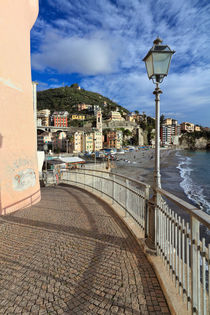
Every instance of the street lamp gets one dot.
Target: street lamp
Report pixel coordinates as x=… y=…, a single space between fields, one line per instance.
x=95 y=149
x=157 y=63
x=45 y=151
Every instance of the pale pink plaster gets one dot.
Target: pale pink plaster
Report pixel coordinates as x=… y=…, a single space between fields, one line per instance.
x=19 y=178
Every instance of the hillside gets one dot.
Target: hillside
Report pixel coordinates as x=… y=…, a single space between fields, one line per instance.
x=66 y=98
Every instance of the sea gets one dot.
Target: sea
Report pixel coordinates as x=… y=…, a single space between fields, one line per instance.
x=188 y=176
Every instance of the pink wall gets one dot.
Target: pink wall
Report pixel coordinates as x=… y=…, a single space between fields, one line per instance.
x=19 y=179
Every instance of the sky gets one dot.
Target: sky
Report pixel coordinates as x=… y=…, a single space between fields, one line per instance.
x=100 y=44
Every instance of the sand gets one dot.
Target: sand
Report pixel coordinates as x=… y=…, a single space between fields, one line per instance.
x=140 y=164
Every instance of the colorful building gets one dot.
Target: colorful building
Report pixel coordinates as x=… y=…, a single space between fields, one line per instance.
x=78 y=117
x=116 y=116
x=187 y=127
x=197 y=128
x=169 y=134
x=77 y=142
x=19 y=176
x=43 y=117
x=113 y=139
x=83 y=106
x=60 y=119
x=44 y=138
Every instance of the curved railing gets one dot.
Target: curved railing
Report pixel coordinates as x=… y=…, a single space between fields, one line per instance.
x=131 y=195
x=180 y=232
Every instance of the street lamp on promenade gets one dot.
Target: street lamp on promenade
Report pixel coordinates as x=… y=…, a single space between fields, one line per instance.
x=45 y=147
x=95 y=150
x=157 y=63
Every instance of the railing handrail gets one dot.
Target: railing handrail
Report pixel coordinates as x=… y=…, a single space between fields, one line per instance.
x=192 y=210
x=116 y=174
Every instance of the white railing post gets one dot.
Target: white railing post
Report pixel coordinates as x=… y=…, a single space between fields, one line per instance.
x=113 y=190
x=127 y=196
x=195 y=264
x=101 y=184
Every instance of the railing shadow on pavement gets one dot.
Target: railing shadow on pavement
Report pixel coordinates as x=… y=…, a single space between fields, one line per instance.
x=183 y=246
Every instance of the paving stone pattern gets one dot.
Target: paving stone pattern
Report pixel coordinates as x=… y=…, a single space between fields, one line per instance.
x=70 y=254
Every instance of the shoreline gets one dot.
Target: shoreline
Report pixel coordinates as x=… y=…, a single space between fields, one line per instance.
x=143 y=170
x=140 y=164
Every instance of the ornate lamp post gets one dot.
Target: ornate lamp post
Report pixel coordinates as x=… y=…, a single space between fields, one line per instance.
x=45 y=147
x=157 y=63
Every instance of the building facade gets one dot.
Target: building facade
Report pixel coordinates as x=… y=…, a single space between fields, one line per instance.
x=78 y=117
x=43 y=117
x=59 y=141
x=60 y=119
x=44 y=138
x=187 y=127
x=113 y=139
x=170 y=133
x=19 y=176
x=83 y=106
x=116 y=116
x=197 y=128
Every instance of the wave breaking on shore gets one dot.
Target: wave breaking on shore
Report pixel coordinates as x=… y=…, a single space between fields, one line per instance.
x=193 y=191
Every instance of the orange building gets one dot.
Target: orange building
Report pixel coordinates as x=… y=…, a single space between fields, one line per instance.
x=60 y=119
x=19 y=176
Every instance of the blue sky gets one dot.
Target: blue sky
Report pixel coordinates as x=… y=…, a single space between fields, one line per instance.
x=100 y=45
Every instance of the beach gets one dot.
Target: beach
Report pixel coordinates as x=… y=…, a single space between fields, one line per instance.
x=140 y=164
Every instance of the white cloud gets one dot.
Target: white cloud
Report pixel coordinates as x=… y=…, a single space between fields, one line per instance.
x=108 y=41
x=75 y=55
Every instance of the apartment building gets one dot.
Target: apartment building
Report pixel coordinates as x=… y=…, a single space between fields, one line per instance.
x=168 y=121
x=116 y=116
x=59 y=141
x=170 y=133
x=43 y=117
x=88 y=142
x=77 y=142
x=60 y=119
x=197 y=128
x=44 y=138
x=83 y=106
x=98 y=140
x=187 y=127
x=78 y=117
x=113 y=139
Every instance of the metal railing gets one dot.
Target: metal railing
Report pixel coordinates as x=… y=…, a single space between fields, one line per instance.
x=181 y=240
x=131 y=195
x=183 y=244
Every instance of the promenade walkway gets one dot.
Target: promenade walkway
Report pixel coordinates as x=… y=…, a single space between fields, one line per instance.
x=70 y=254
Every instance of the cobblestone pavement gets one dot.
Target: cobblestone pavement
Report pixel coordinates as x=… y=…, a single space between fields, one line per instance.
x=70 y=254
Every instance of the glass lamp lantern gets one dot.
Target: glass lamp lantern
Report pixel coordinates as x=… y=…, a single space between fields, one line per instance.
x=158 y=60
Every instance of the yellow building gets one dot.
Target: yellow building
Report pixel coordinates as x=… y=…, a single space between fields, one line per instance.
x=78 y=117
x=43 y=117
x=168 y=121
x=197 y=128
x=77 y=142
x=88 y=142
x=187 y=127
x=98 y=140
x=92 y=141
x=116 y=116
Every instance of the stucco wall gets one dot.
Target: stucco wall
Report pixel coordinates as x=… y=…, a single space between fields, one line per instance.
x=19 y=178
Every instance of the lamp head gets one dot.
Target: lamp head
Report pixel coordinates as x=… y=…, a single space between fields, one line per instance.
x=158 y=60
